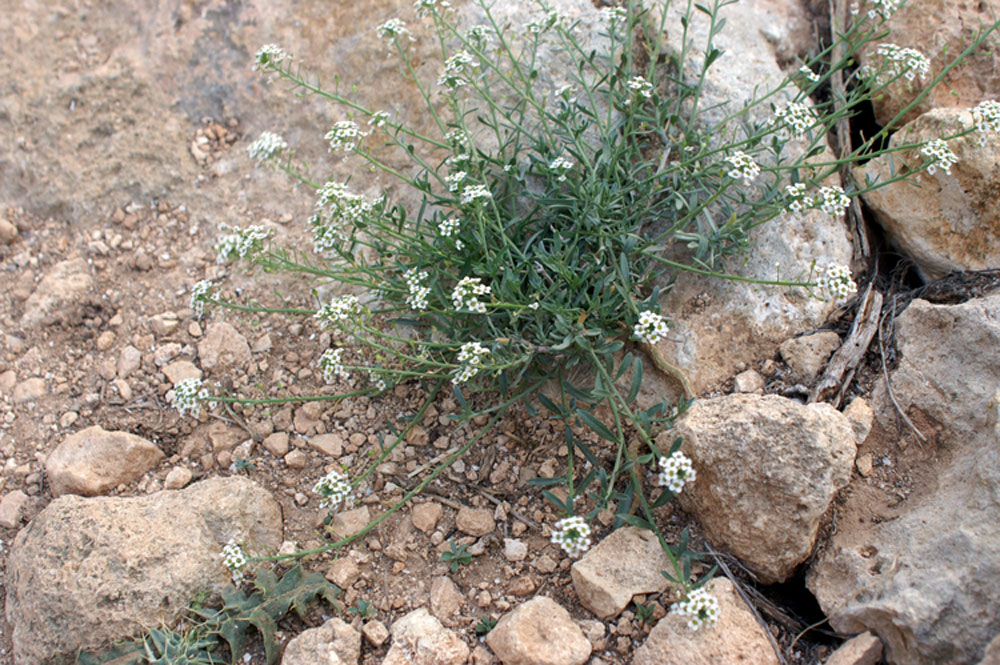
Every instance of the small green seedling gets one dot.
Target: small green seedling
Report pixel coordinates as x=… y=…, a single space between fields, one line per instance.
x=456 y=556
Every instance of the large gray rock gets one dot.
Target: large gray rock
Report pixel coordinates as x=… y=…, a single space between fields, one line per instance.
x=61 y=289
x=768 y=468
x=333 y=643
x=87 y=571
x=736 y=638
x=539 y=632
x=93 y=461
x=622 y=565
x=943 y=222
x=925 y=581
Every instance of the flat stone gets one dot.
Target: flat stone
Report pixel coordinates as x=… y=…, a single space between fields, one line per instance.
x=129 y=360
x=375 y=632
x=92 y=570
x=94 y=461
x=297 y=459
x=626 y=563
x=12 y=509
x=343 y=572
x=349 y=522
x=276 y=444
x=163 y=324
x=420 y=639
x=863 y=649
x=8 y=232
x=475 y=522
x=61 y=290
x=749 y=381
x=179 y=370
x=331 y=445
x=736 y=638
x=515 y=549
x=30 y=390
x=446 y=599
x=333 y=643
x=806 y=356
x=223 y=346
x=425 y=515
x=539 y=632
x=178 y=478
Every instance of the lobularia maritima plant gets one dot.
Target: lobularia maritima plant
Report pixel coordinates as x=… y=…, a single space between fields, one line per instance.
x=550 y=222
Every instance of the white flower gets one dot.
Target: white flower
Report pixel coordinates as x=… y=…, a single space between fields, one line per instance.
x=188 y=396
x=332 y=364
x=561 y=165
x=832 y=200
x=241 y=243
x=428 y=7
x=450 y=226
x=743 y=167
x=650 y=328
x=940 y=156
x=235 y=559
x=473 y=192
x=793 y=119
x=392 y=30
x=268 y=55
x=334 y=488
x=342 y=309
x=836 y=282
x=267 y=146
x=339 y=210
x=454 y=69
x=898 y=61
x=675 y=472
x=701 y=608
x=612 y=15
x=479 y=36
x=466 y=294
x=797 y=199
x=377 y=381
x=453 y=180
x=378 y=119
x=344 y=135
x=806 y=71
x=986 y=115
x=883 y=8
x=471 y=356
x=572 y=534
x=417 y=299
x=458 y=138
x=640 y=86
x=200 y=293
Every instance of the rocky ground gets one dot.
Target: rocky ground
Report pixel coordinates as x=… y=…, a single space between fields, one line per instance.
x=123 y=131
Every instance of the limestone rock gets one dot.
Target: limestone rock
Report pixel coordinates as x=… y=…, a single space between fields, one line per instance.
x=333 y=643
x=420 y=639
x=93 y=461
x=178 y=478
x=8 y=232
x=276 y=444
x=446 y=599
x=129 y=360
x=91 y=570
x=768 y=468
x=475 y=522
x=223 y=346
x=12 y=509
x=349 y=522
x=331 y=445
x=625 y=563
x=343 y=572
x=425 y=515
x=939 y=29
x=807 y=355
x=923 y=581
x=61 y=290
x=864 y=649
x=992 y=655
x=943 y=222
x=539 y=632
x=375 y=632
x=30 y=390
x=736 y=639
x=181 y=369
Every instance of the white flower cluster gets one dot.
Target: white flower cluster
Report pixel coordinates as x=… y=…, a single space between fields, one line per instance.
x=332 y=364
x=650 y=328
x=986 y=115
x=837 y=282
x=466 y=294
x=235 y=559
x=428 y=7
x=417 y=299
x=640 y=86
x=471 y=356
x=450 y=226
x=268 y=55
x=898 y=61
x=675 y=472
x=188 y=395
x=378 y=119
x=479 y=36
x=454 y=69
x=806 y=71
x=572 y=534
x=561 y=165
x=797 y=199
x=392 y=30
x=241 y=243
x=793 y=119
x=377 y=381
x=339 y=209
x=200 y=292
x=334 y=489
x=475 y=192
x=454 y=180
x=459 y=139
x=743 y=167
x=701 y=608
x=344 y=135
x=832 y=200
x=883 y=8
x=339 y=310
x=612 y=15
x=941 y=156
x=267 y=146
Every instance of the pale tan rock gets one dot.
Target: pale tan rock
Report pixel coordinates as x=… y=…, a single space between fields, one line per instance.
x=864 y=464
x=420 y=639
x=180 y=370
x=807 y=355
x=992 y=655
x=943 y=222
x=151 y=554
x=93 y=461
x=736 y=639
x=223 y=346
x=863 y=649
x=12 y=509
x=331 y=445
x=276 y=444
x=61 y=290
x=178 y=478
x=8 y=379
x=375 y=632
x=425 y=515
x=539 y=632
x=862 y=416
x=625 y=563
x=343 y=572
x=349 y=522
x=30 y=390
x=297 y=459
x=749 y=381
x=163 y=324
x=129 y=360
x=333 y=643
x=805 y=453
x=105 y=340
x=446 y=599
x=8 y=232
x=475 y=522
